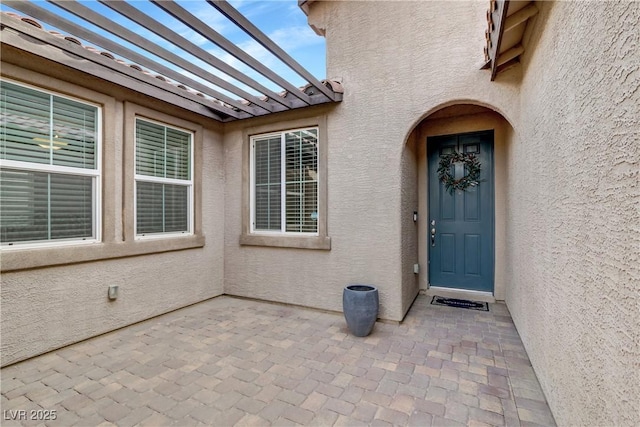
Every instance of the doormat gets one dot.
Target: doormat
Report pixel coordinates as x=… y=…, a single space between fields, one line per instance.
x=461 y=303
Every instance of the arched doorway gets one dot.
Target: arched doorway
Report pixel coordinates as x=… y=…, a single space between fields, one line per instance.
x=461 y=234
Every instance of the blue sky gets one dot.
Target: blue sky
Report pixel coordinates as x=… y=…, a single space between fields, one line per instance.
x=282 y=20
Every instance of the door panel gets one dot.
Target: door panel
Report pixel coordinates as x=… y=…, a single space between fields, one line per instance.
x=472 y=204
x=472 y=248
x=447 y=261
x=461 y=255
x=447 y=208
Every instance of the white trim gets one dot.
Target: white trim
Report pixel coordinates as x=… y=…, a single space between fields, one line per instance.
x=35 y=244
x=283 y=193
x=151 y=236
x=95 y=173
x=43 y=167
x=252 y=186
x=159 y=180
x=97 y=193
x=283 y=183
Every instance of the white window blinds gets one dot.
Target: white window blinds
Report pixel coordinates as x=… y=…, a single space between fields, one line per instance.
x=285 y=177
x=49 y=180
x=268 y=187
x=164 y=184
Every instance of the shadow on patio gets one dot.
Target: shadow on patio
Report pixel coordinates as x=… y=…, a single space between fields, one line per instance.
x=232 y=361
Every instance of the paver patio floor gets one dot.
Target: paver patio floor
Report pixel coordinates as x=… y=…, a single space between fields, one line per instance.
x=230 y=361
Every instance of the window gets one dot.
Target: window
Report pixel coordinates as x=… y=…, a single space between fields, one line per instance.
x=66 y=197
x=49 y=167
x=164 y=180
x=285 y=182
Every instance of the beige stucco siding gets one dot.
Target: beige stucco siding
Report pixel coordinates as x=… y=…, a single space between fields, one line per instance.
x=574 y=208
x=409 y=253
x=400 y=61
x=568 y=164
x=392 y=84
x=315 y=277
x=49 y=308
x=46 y=307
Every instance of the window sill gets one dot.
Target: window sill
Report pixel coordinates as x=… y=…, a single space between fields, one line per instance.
x=28 y=258
x=298 y=242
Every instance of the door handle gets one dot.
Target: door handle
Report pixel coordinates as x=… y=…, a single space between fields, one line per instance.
x=433 y=232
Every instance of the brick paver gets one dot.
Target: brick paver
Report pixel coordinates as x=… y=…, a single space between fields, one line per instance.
x=230 y=361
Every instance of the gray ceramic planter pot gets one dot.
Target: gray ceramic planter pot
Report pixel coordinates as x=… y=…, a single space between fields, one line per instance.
x=360 y=307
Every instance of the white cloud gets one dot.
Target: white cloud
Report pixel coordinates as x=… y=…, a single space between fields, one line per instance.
x=292 y=38
x=193 y=36
x=210 y=16
x=251 y=9
x=237 y=4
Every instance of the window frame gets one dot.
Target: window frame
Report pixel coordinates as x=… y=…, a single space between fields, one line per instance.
x=158 y=180
x=283 y=183
x=117 y=151
x=95 y=174
x=319 y=240
x=160 y=242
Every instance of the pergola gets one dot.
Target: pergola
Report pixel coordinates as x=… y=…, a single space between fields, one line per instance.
x=507 y=27
x=217 y=90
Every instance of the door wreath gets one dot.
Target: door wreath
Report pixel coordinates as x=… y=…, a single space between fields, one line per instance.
x=472 y=168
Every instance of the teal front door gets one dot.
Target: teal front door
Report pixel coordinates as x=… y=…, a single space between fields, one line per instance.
x=460 y=233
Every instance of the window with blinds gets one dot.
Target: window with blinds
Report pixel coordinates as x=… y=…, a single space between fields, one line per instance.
x=164 y=180
x=49 y=167
x=285 y=182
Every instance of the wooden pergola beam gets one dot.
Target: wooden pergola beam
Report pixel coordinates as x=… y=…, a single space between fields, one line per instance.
x=154 y=26
x=498 y=17
x=236 y=17
x=216 y=38
x=29 y=8
x=520 y=16
x=184 y=82
x=24 y=37
x=36 y=12
x=100 y=21
x=507 y=56
x=498 y=24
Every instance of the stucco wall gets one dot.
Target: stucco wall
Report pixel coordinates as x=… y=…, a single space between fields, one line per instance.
x=409 y=238
x=574 y=207
x=313 y=277
x=571 y=198
x=392 y=84
x=49 y=307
